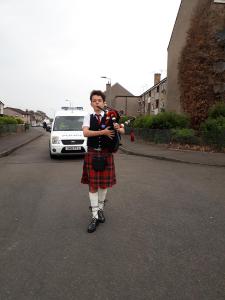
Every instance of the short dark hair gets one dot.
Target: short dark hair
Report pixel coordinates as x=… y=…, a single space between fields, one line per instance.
x=97 y=93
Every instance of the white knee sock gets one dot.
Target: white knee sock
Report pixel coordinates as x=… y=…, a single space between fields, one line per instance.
x=101 y=197
x=94 y=204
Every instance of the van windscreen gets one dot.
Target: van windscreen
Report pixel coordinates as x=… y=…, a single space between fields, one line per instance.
x=68 y=123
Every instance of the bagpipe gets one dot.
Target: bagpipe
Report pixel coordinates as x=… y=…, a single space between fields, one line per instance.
x=112 y=117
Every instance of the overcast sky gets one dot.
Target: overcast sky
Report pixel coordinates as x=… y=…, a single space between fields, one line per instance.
x=53 y=50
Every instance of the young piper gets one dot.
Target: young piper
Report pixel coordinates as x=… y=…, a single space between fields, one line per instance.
x=98 y=168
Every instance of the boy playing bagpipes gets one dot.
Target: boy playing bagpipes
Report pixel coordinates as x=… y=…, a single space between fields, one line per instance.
x=102 y=130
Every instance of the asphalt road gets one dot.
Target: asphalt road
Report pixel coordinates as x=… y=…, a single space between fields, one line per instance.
x=164 y=236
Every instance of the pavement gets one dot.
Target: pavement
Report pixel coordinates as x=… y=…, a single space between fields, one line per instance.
x=10 y=143
x=162 y=152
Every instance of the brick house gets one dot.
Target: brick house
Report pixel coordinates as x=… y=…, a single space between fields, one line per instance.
x=18 y=113
x=153 y=101
x=121 y=99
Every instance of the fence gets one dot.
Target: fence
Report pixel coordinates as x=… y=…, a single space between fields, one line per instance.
x=6 y=129
x=158 y=136
x=167 y=136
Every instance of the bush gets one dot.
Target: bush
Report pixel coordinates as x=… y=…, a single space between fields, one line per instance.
x=184 y=136
x=164 y=120
x=148 y=121
x=123 y=119
x=218 y=110
x=139 y=122
x=127 y=121
x=168 y=120
x=8 y=120
x=213 y=131
x=19 y=121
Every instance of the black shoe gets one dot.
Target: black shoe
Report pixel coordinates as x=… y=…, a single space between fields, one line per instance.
x=92 y=226
x=101 y=217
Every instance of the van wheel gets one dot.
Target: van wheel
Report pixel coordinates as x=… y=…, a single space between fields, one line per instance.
x=52 y=156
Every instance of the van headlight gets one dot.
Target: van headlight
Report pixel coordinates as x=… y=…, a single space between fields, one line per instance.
x=55 y=140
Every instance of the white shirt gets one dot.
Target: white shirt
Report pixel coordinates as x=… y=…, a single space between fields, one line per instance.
x=87 y=118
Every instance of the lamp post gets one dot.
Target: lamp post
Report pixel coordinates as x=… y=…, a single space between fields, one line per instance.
x=109 y=79
x=1 y=108
x=69 y=102
x=108 y=90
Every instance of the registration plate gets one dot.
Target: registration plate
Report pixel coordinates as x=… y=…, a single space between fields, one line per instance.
x=72 y=148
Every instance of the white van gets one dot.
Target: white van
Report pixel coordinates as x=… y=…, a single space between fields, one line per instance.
x=66 y=133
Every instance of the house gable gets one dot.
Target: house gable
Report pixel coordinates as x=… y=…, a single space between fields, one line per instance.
x=118 y=90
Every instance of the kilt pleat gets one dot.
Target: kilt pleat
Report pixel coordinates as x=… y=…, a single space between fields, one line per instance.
x=99 y=179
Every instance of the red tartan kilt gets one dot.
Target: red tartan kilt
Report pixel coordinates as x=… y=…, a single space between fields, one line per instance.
x=99 y=179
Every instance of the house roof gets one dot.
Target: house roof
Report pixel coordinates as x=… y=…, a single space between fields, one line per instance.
x=1 y=102
x=154 y=86
x=19 y=111
x=118 y=88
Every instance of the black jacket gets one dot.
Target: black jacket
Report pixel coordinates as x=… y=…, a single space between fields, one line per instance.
x=101 y=141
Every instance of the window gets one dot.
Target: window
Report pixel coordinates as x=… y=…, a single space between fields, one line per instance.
x=158 y=89
x=68 y=123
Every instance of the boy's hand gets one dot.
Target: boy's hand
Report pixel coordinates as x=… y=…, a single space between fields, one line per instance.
x=109 y=133
x=116 y=126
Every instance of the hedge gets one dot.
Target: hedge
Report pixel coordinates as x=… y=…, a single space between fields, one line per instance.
x=10 y=120
x=163 y=120
x=213 y=131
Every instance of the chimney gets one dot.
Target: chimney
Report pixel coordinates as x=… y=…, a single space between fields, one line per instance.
x=157 y=78
x=108 y=87
x=108 y=94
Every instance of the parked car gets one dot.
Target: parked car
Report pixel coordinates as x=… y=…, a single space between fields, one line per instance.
x=49 y=127
x=44 y=125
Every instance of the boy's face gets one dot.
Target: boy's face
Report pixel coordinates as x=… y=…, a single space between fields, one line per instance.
x=97 y=101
